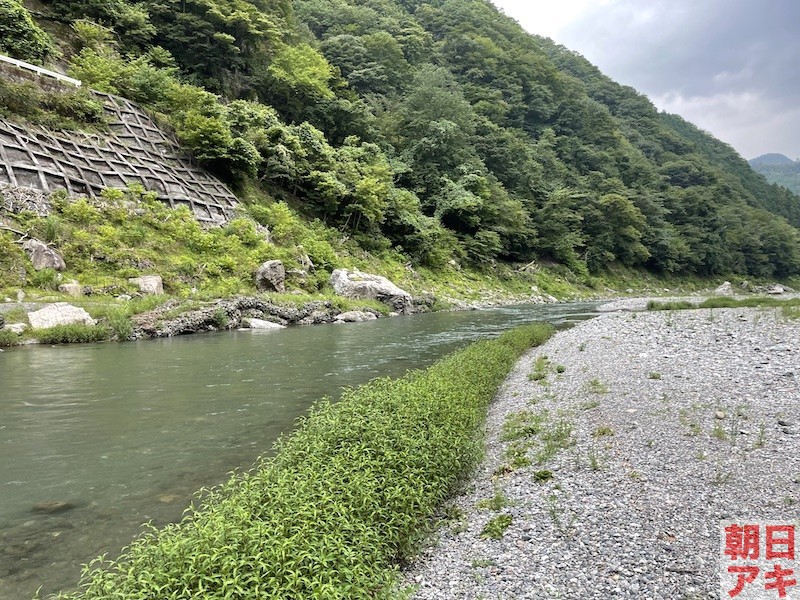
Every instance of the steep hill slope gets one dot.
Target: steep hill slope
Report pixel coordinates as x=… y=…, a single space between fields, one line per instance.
x=435 y=131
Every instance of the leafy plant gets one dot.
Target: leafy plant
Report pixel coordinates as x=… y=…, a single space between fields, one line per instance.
x=496 y=527
x=555 y=438
x=498 y=501
x=542 y=476
x=8 y=338
x=76 y=333
x=595 y=386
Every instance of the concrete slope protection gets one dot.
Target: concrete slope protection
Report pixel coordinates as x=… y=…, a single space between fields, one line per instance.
x=133 y=151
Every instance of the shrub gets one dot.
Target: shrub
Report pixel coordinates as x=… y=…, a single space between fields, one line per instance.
x=344 y=498
x=76 y=333
x=120 y=324
x=20 y=36
x=8 y=338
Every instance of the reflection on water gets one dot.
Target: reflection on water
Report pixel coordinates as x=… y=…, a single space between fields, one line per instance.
x=114 y=435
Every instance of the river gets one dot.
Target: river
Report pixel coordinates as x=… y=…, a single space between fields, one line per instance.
x=116 y=435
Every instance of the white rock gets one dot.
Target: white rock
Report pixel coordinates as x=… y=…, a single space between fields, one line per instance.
x=726 y=289
x=43 y=256
x=271 y=277
x=355 y=316
x=149 y=284
x=364 y=286
x=17 y=328
x=261 y=324
x=60 y=313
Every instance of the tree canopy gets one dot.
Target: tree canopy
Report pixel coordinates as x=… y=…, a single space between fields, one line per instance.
x=438 y=128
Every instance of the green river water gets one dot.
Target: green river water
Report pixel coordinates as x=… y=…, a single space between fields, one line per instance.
x=123 y=434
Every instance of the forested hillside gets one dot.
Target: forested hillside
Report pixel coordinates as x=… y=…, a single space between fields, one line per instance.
x=438 y=129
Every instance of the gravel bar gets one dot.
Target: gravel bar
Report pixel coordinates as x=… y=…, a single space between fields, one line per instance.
x=678 y=420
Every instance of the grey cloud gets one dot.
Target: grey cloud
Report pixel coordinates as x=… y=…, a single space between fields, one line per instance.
x=705 y=55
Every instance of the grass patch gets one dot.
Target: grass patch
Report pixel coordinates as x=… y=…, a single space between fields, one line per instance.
x=497 y=502
x=345 y=498
x=791 y=312
x=496 y=527
x=76 y=333
x=595 y=386
x=523 y=424
x=725 y=302
x=8 y=338
x=558 y=437
x=540 y=369
x=602 y=431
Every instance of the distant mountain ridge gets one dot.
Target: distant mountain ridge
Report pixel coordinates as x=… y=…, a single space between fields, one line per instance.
x=773 y=158
x=778 y=169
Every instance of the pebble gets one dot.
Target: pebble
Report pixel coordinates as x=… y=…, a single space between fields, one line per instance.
x=635 y=514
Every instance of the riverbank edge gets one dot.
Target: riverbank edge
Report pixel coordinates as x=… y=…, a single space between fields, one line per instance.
x=174 y=316
x=346 y=497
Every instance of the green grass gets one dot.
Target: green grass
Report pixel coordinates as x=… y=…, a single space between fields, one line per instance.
x=496 y=527
x=345 y=498
x=726 y=302
x=76 y=333
x=497 y=502
x=540 y=369
x=542 y=476
x=555 y=438
x=602 y=431
x=595 y=386
x=8 y=338
x=523 y=424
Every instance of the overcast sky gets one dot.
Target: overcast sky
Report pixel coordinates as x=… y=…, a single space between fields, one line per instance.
x=731 y=67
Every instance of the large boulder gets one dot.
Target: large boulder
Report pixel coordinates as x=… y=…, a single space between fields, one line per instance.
x=776 y=290
x=261 y=324
x=726 y=289
x=43 y=256
x=72 y=288
x=60 y=313
x=271 y=277
x=149 y=284
x=363 y=286
x=354 y=316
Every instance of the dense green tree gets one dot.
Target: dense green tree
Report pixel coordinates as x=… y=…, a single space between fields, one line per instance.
x=20 y=36
x=439 y=128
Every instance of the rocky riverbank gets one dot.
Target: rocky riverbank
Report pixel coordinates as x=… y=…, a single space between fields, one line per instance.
x=614 y=451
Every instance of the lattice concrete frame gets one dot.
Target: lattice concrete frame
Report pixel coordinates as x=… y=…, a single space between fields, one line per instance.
x=134 y=150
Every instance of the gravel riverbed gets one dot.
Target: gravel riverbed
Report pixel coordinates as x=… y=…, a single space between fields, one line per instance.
x=674 y=421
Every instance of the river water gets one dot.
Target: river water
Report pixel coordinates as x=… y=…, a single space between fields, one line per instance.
x=97 y=439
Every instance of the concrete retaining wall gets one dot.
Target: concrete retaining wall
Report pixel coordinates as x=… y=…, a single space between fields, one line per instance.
x=134 y=150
